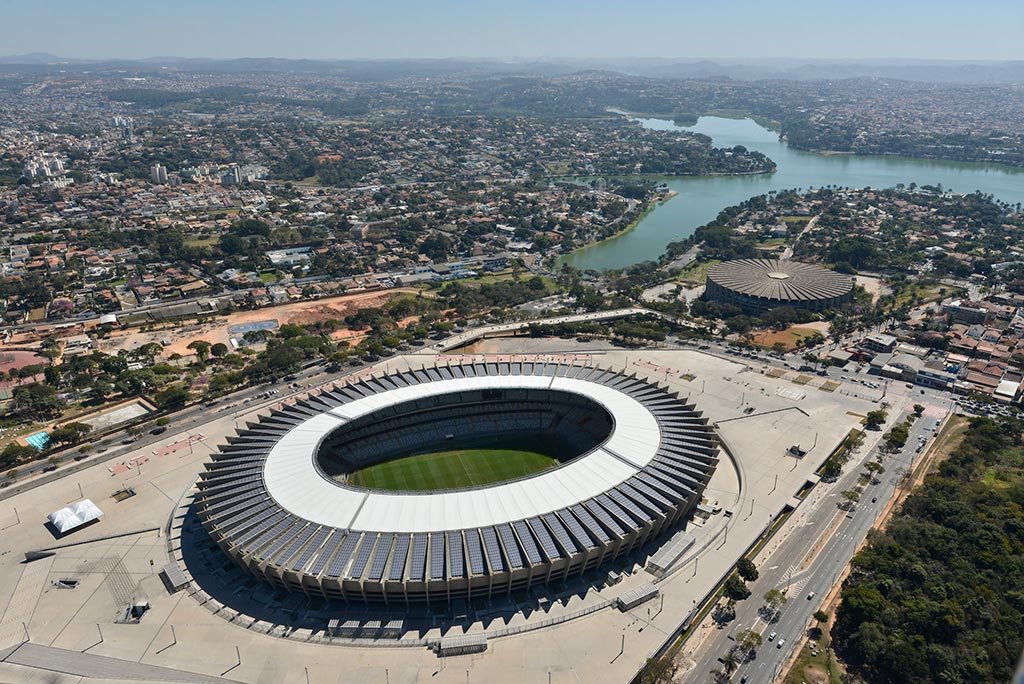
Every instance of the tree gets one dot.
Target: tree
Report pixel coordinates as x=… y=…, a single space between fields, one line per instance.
x=219 y=349
x=172 y=397
x=851 y=497
x=774 y=600
x=730 y=661
x=896 y=437
x=747 y=642
x=903 y=476
x=201 y=348
x=821 y=616
x=37 y=400
x=71 y=433
x=746 y=569
x=657 y=671
x=436 y=247
x=875 y=419
x=16 y=453
x=918 y=409
x=720 y=677
x=735 y=588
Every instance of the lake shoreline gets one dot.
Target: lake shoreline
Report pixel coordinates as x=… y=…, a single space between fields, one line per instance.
x=706 y=196
x=648 y=208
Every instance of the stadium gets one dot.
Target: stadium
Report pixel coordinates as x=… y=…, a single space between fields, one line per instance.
x=468 y=481
x=758 y=285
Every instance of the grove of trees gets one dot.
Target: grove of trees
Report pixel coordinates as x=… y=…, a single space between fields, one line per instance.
x=937 y=597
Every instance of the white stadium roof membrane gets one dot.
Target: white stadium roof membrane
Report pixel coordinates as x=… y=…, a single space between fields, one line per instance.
x=266 y=500
x=295 y=483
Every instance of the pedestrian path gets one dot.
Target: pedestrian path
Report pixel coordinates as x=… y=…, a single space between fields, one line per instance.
x=101 y=667
x=23 y=602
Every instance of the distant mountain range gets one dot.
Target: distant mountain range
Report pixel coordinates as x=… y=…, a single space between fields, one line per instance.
x=931 y=71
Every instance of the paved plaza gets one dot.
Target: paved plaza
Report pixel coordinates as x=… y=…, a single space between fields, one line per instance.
x=758 y=417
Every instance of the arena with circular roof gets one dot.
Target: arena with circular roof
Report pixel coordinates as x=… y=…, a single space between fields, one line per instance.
x=758 y=285
x=629 y=461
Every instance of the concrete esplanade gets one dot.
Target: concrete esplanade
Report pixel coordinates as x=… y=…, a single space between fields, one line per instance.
x=758 y=285
x=272 y=498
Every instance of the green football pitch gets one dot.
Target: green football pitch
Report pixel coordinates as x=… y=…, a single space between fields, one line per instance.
x=452 y=469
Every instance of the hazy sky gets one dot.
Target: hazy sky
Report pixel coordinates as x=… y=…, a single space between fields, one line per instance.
x=960 y=29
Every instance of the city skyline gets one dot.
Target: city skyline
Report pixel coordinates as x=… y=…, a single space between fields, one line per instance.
x=312 y=29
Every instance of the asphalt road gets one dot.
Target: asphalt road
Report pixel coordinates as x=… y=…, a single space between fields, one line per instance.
x=240 y=402
x=787 y=569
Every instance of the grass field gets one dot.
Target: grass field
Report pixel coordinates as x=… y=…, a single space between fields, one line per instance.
x=452 y=469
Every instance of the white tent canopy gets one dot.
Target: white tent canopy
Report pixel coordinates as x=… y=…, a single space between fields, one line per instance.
x=86 y=511
x=73 y=517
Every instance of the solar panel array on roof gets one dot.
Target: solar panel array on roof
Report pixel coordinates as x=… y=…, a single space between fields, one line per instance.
x=456 y=560
x=604 y=518
x=596 y=530
x=476 y=552
x=344 y=554
x=508 y=540
x=419 y=557
x=285 y=534
x=312 y=548
x=561 y=534
x=494 y=555
x=437 y=556
x=547 y=544
x=326 y=553
x=397 y=570
x=363 y=556
x=380 y=558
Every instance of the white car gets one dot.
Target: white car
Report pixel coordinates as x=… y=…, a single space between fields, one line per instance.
x=771 y=637
x=781 y=642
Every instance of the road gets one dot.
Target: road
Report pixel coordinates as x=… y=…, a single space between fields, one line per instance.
x=808 y=556
x=242 y=401
x=788 y=252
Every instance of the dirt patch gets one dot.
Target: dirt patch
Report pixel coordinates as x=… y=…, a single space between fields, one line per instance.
x=874 y=286
x=815 y=674
x=790 y=337
x=176 y=338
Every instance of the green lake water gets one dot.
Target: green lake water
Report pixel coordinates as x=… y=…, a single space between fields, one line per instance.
x=701 y=198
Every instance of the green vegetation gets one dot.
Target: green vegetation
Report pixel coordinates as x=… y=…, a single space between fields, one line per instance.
x=938 y=596
x=834 y=463
x=896 y=438
x=453 y=469
x=875 y=419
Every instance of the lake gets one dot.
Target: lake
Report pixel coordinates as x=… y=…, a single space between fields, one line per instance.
x=701 y=198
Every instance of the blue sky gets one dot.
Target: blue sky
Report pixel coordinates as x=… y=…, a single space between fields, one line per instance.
x=319 y=29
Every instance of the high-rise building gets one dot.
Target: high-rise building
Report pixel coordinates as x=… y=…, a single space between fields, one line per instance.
x=158 y=173
x=232 y=177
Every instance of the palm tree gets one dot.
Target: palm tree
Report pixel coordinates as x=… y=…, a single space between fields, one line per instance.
x=730 y=662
